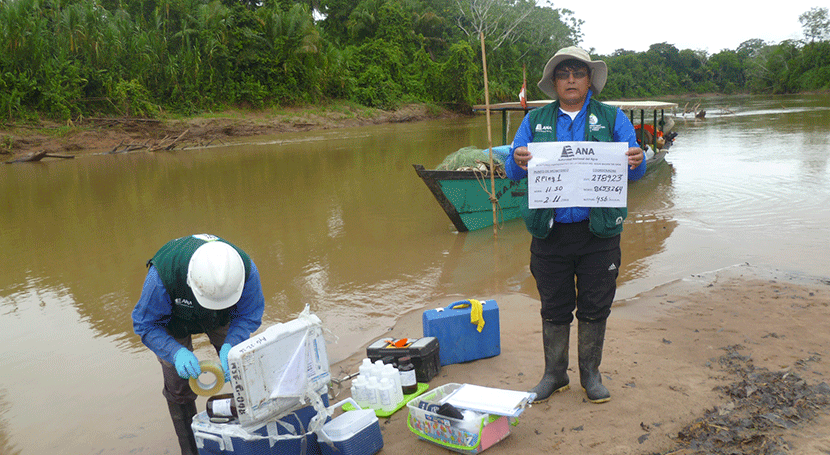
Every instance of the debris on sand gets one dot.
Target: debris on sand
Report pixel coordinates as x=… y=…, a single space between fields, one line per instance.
x=764 y=404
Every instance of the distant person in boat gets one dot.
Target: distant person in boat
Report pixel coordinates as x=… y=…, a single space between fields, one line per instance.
x=195 y=284
x=571 y=242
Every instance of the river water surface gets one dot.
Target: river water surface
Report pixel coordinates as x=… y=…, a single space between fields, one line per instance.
x=340 y=221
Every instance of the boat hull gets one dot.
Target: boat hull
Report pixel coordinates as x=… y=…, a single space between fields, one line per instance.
x=464 y=199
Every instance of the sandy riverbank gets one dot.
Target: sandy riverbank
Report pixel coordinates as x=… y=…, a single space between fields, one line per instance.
x=93 y=136
x=679 y=371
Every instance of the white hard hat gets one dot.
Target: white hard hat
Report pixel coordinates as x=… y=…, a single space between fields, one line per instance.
x=216 y=274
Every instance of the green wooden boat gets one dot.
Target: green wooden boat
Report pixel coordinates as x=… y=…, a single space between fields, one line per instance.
x=464 y=199
x=464 y=194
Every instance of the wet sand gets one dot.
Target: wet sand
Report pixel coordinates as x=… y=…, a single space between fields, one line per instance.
x=664 y=371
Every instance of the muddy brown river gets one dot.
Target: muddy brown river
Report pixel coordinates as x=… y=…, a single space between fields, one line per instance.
x=339 y=220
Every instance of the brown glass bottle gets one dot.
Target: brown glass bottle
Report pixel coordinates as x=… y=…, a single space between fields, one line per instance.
x=409 y=383
x=221 y=406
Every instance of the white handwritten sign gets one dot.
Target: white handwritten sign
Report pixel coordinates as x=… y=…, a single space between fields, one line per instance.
x=577 y=174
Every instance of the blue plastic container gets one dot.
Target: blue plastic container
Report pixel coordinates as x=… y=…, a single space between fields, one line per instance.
x=458 y=339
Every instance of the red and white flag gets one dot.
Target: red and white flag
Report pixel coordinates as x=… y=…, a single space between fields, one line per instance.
x=523 y=93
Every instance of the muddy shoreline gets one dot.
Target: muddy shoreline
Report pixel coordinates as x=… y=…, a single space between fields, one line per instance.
x=97 y=136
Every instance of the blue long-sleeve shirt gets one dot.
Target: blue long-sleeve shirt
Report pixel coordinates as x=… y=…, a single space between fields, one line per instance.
x=568 y=129
x=154 y=310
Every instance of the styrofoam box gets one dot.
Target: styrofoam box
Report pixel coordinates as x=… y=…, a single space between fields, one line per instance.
x=271 y=373
x=352 y=433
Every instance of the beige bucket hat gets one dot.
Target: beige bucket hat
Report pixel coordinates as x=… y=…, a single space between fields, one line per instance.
x=599 y=71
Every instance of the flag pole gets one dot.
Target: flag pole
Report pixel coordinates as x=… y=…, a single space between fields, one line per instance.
x=489 y=139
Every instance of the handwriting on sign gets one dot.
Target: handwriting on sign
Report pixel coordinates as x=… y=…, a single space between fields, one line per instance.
x=577 y=174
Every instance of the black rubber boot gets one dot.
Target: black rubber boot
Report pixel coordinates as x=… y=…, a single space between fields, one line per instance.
x=591 y=337
x=555 y=339
x=182 y=415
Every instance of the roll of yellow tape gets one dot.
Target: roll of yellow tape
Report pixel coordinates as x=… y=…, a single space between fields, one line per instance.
x=211 y=388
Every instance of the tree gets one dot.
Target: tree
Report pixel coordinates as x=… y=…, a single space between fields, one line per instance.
x=816 y=24
x=750 y=48
x=496 y=19
x=727 y=71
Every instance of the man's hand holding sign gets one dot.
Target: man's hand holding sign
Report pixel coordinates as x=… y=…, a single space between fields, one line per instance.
x=577 y=174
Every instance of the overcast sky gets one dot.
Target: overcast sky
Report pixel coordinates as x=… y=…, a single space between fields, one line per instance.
x=708 y=25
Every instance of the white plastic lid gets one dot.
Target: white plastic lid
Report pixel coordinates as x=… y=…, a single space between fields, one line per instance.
x=349 y=424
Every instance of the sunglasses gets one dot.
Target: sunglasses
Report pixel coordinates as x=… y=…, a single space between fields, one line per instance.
x=564 y=75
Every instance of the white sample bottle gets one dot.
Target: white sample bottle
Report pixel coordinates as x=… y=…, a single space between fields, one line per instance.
x=366 y=368
x=385 y=395
x=391 y=373
x=360 y=392
x=372 y=396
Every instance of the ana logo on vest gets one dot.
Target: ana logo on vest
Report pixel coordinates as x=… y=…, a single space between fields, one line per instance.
x=543 y=129
x=183 y=302
x=593 y=124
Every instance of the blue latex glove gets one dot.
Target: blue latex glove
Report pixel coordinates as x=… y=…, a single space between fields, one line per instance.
x=223 y=357
x=187 y=365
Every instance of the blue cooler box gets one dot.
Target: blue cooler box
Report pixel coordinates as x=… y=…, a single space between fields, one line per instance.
x=458 y=339
x=351 y=433
x=287 y=434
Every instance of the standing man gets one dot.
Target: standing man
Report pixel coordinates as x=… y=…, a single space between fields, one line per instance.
x=574 y=242
x=195 y=284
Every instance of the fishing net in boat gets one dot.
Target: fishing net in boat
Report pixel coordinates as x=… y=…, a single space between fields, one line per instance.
x=474 y=158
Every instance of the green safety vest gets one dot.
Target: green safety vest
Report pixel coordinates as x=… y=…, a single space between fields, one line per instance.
x=599 y=127
x=171 y=263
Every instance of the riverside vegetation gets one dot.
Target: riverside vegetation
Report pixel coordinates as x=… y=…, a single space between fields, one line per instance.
x=70 y=60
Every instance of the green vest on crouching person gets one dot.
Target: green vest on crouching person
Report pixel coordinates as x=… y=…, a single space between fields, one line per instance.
x=171 y=262
x=603 y=222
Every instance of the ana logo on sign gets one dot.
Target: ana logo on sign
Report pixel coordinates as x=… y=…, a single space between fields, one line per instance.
x=568 y=152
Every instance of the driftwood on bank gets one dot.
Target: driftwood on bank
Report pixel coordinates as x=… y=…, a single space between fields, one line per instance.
x=37 y=156
x=166 y=143
x=128 y=147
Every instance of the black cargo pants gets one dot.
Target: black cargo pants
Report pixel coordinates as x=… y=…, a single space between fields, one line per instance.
x=572 y=251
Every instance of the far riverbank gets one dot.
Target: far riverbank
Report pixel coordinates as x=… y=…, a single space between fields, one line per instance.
x=90 y=136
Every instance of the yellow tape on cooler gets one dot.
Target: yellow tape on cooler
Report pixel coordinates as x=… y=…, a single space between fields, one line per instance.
x=211 y=388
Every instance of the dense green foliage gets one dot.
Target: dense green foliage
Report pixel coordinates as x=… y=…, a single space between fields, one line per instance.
x=69 y=58
x=755 y=67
